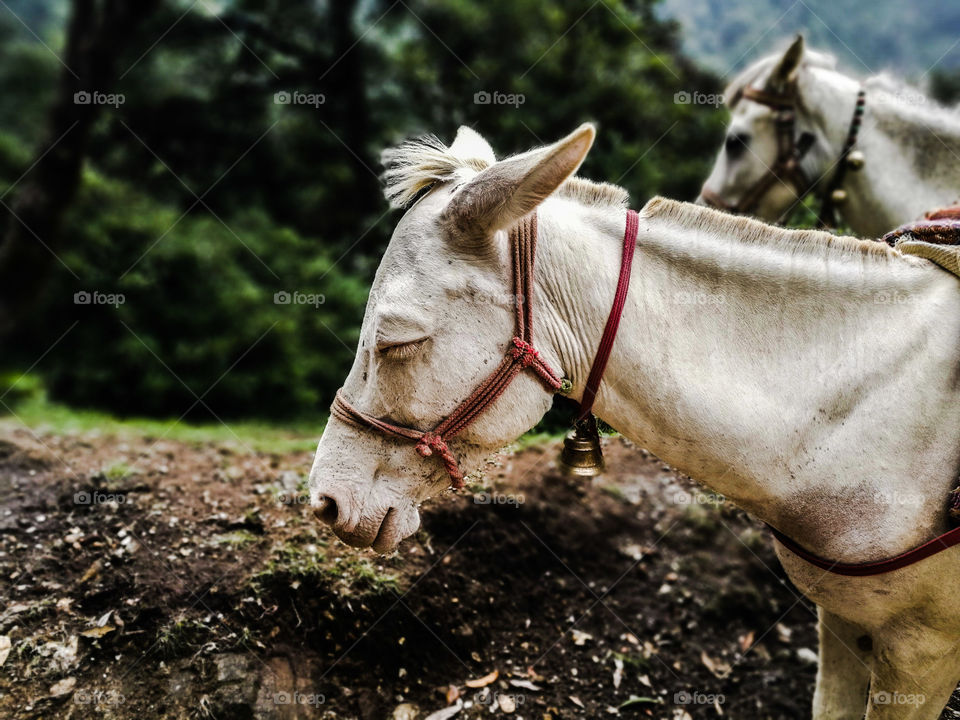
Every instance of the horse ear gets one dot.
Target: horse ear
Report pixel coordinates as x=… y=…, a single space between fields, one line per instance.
x=506 y=191
x=470 y=145
x=786 y=70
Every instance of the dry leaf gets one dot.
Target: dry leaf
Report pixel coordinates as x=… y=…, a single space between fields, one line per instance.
x=453 y=694
x=5 y=646
x=719 y=668
x=525 y=684
x=446 y=713
x=484 y=681
x=91 y=572
x=577 y=701
x=98 y=632
x=784 y=633
x=746 y=641
x=617 y=673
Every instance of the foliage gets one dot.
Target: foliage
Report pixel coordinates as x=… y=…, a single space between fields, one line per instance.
x=203 y=195
x=884 y=35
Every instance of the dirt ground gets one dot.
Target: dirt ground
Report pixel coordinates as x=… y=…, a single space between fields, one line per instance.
x=153 y=579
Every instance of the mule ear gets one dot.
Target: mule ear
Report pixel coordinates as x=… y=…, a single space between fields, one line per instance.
x=786 y=70
x=470 y=145
x=505 y=192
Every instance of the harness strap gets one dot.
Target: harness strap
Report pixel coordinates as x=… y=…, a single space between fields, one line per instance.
x=613 y=320
x=827 y=216
x=520 y=356
x=938 y=544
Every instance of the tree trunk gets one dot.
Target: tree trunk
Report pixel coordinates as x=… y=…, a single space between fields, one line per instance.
x=96 y=36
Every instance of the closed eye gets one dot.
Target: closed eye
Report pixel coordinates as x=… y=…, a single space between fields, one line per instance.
x=736 y=145
x=402 y=350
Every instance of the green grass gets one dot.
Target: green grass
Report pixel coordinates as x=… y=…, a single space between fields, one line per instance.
x=41 y=415
x=236 y=539
x=23 y=402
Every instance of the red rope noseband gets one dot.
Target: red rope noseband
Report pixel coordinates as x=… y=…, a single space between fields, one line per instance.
x=521 y=356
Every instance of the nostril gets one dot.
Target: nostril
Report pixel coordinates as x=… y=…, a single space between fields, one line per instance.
x=326 y=510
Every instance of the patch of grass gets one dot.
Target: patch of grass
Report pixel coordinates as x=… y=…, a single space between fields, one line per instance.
x=616 y=492
x=534 y=438
x=41 y=415
x=236 y=539
x=295 y=565
x=118 y=471
x=364 y=572
x=180 y=634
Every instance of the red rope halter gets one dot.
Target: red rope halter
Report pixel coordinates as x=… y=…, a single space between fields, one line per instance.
x=521 y=356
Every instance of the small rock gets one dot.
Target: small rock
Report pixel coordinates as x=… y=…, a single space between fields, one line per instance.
x=446 y=713
x=580 y=637
x=63 y=687
x=407 y=711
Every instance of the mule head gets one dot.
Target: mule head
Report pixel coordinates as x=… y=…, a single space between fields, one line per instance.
x=751 y=148
x=438 y=320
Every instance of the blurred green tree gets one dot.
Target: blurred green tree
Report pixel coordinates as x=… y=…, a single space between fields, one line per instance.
x=244 y=162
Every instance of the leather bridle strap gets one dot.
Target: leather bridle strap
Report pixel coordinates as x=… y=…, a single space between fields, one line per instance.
x=790 y=153
x=827 y=215
x=520 y=356
x=613 y=319
x=938 y=544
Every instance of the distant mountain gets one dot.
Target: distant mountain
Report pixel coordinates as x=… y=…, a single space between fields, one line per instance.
x=914 y=39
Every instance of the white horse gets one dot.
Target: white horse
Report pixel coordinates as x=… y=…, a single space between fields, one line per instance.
x=909 y=146
x=812 y=379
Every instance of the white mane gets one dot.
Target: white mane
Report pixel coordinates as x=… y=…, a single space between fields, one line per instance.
x=416 y=164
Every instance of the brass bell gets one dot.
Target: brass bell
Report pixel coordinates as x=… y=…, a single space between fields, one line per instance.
x=839 y=196
x=855 y=160
x=581 y=455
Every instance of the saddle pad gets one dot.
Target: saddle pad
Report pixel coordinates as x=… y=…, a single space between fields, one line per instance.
x=934 y=239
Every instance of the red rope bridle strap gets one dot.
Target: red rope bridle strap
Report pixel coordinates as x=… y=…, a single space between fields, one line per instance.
x=520 y=356
x=938 y=544
x=613 y=320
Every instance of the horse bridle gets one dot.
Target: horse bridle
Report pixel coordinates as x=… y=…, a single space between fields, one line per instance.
x=791 y=150
x=521 y=355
